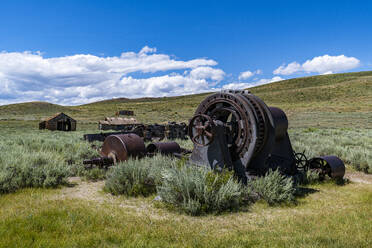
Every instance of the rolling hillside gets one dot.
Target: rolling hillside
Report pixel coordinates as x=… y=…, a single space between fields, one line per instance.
x=326 y=100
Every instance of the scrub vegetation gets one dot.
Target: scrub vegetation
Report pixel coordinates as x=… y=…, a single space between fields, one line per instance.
x=338 y=100
x=42 y=204
x=353 y=146
x=39 y=158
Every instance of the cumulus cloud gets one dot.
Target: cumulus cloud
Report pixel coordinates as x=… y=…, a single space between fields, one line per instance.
x=330 y=64
x=240 y=86
x=147 y=49
x=325 y=64
x=207 y=72
x=288 y=69
x=247 y=74
x=84 y=78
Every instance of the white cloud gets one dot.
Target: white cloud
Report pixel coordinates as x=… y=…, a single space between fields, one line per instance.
x=207 y=72
x=240 y=86
x=332 y=64
x=236 y=86
x=247 y=74
x=289 y=69
x=269 y=80
x=325 y=64
x=83 y=78
x=147 y=49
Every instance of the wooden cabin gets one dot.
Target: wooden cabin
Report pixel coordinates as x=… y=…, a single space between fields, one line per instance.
x=125 y=112
x=60 y=121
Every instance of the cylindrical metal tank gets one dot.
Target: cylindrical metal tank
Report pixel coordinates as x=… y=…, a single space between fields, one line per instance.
x=331 y=165
x=122 y=146
x=166 y=148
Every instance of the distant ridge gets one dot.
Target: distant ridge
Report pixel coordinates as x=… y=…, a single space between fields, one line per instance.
x=346 y=92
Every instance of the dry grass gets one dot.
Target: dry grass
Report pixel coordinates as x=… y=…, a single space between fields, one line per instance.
x=51 y=218
x=85 y=216
x=338 y=100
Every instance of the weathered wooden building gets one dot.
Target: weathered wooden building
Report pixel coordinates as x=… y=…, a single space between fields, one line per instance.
x=125 y=112
x=60 y=121
x=117 y=123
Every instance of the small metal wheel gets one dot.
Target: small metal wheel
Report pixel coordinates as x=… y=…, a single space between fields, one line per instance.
x=319 y=165
x=301 y=160
x=201 y=130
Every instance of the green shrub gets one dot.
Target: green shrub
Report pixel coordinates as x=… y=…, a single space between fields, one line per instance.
x=305 y=177
x=31 y=170
x=130 y=178
x=197 y=190
x=310 y=177
x=274 y=188
x=40 y=158
x=353 y=146
x=136 y=177
x=94 y=174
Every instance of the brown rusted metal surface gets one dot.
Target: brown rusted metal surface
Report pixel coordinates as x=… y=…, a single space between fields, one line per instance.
x=236 y=129
x=125 y=112
x=152 y=132
x=201 y=130
x=101 y=162
x=166 y=148
x=121 y=147
x=331 y=166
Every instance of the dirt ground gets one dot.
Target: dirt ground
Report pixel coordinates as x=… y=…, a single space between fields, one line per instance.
x=93 y=191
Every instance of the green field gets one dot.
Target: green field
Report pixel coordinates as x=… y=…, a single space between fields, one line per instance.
x=339 y=100
x=329 y=114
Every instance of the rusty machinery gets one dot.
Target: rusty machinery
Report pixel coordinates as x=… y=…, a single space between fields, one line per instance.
x=150 y=132
x=237 y=130
x=120 y=147
x=117 y=148
x=230 y=129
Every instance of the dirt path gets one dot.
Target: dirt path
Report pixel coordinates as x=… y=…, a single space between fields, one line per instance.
x=85 y=190
x=359 y=177
x=93 y=191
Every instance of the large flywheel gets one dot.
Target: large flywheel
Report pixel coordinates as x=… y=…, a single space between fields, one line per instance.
x=243 y=118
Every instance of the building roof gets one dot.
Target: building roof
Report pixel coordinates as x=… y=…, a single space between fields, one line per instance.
x=56 y=115
x=118 y=121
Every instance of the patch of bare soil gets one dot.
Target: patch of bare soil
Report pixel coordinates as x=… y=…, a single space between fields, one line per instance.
x=93 y=192
x=84 y=190
x=359 y=177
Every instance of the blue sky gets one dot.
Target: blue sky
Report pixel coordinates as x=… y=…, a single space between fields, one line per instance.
x=70 y=52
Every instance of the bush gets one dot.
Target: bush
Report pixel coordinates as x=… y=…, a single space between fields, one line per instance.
x=40 y=158
x=94 y=174
x=308 y=177
x=274 y=188
x=130 y=178
x=31 y=170
x=197 y=190
x=353 y=146
x=136 y=177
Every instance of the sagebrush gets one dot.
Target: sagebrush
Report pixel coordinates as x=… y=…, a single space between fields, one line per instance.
x=40 y=159
x=274 y=188
x=197 y=190
x=137 y=177
x=354 y=147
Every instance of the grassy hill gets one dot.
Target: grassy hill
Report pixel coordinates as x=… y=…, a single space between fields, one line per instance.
x=81 y=213
x=326 y=100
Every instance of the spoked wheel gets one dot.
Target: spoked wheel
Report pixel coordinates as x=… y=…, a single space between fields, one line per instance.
x=301 y=160
x=201 y=130
x=321 y=166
